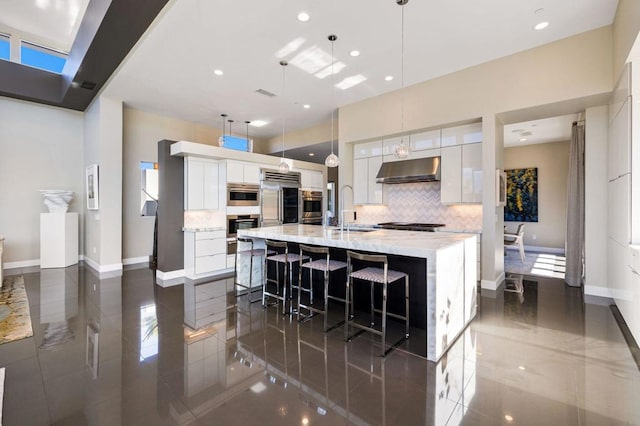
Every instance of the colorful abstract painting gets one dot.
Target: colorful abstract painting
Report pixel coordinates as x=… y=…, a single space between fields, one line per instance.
x=522 y=195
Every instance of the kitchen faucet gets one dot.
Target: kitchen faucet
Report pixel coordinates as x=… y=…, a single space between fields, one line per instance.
x=342 y=209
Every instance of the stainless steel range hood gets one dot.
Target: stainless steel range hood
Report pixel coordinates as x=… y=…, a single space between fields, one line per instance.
x=418 y=170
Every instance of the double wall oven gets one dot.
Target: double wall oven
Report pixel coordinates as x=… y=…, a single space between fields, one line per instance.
x=311 y=207
x=235 y=223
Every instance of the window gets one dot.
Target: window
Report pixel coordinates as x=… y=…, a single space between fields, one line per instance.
x=237 y=143
x=41 y=57
x=4 y=47
x=149 y=186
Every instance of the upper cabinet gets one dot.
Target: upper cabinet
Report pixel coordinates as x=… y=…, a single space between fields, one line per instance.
x=202 y=184
x=620 y=142
x=311 y=179
x=461 y=135
x=461 y=174
x=366 y=164
x=239 y=172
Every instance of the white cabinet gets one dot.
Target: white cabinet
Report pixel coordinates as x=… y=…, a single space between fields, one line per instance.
x=365 y=188
x=238 y=172
x=425 y=140
x=368 y=149
x=201 y=184
x=311 y=179
x=205 y=252
x=472 y=173
x=620 y=142
x=461 y=135
x=461 y=174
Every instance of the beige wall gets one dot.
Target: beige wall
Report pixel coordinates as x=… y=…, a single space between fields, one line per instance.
x=552 y=161
x=40 y=148
x=558 y=78
x=626 y=26
x=309 y=136
x=141 y=133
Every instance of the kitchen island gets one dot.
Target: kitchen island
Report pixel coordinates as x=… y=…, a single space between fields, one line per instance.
x=441 y=267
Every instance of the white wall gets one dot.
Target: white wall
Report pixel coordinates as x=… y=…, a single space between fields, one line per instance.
x=40 y=148
x=596 y=184
x=103 y=146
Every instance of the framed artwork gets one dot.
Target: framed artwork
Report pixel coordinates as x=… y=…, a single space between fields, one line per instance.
x=501 y=188
x=522 y=195
x=92 y=188
x=91 y=358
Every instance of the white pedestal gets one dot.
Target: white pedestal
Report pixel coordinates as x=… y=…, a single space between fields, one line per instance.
x=58 y=240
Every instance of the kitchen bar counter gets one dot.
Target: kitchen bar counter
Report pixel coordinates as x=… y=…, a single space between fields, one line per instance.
x=441 y=266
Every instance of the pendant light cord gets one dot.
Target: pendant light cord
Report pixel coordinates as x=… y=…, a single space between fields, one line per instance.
x=333 y=107
x=402 y=74
x=284 y=64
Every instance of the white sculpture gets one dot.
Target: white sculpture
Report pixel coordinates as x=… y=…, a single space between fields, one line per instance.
x=56 y=200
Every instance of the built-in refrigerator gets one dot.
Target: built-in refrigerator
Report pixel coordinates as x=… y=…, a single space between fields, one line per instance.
x=279 y=199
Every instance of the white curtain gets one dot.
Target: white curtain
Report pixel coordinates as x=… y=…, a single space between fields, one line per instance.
x=575 y=209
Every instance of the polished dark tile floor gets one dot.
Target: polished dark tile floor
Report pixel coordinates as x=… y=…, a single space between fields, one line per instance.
x=123 y=351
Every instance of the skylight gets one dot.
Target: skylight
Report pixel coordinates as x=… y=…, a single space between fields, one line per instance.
x=41 y=57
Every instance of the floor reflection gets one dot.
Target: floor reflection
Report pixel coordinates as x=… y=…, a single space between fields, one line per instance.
x=124 y=351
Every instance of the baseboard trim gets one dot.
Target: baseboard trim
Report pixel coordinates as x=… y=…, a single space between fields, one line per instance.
x=114 y=267
x=492 y=285
x=135 y=260
x=593 y=290
x=22 y=264
x=169 y=278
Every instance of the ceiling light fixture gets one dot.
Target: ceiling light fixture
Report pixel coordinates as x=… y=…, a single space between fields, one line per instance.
x=218 y=72
x=258 y=123
x=541 y=25
x=221 y=140
x=388 y=78
x=402 y=150
x=283 y=167
x=332 y=160
x=306 y=106
x=303 y=17
x=523 y=139
x=247 y=122
x=311 y=154
x=354 y=53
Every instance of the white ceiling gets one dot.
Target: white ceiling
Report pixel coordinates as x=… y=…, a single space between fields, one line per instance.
x=554 y=129
x=170 y=72
x=51 y=23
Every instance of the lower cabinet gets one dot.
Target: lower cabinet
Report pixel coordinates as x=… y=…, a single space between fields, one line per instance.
x=205 y=252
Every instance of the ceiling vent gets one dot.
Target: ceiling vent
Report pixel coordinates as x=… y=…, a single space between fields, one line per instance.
x=89 y=85
x=265 y=93
x=526 y=134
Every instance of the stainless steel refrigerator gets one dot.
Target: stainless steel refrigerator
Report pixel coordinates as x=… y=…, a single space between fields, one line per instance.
x=279 y=199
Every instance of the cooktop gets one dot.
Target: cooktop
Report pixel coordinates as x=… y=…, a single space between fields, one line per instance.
x=408 y=226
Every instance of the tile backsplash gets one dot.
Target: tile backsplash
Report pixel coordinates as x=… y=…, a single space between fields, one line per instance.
x=420 y=202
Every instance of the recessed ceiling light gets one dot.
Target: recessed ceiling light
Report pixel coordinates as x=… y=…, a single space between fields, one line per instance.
x=306 y=106
x=508 y=418
x=218 y=72
x=303 y=16
x=523 y=139
x=258 y=123
x=388 y=78
x=522 y=367
x=541 y=25
x=311 y=154
x=354 y=53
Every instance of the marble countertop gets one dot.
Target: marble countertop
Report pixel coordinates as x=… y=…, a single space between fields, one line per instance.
x=214 y=228
x=459 y=230
x=403 y=243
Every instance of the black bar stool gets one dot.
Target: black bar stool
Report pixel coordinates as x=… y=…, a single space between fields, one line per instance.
x=320 y=261
x=281 y=256
x=384 y=276
x=251 y=252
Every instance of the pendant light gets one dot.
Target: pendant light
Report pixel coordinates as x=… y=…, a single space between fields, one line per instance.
x=332 y=160
x=402 y=150
x=230 y=121
x=224 y=124
x=283 y=167
x=248 y=144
